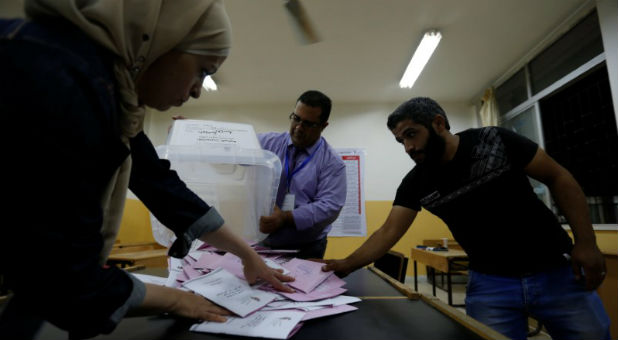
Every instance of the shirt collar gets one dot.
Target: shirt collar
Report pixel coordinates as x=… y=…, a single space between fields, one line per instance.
x=308 y=150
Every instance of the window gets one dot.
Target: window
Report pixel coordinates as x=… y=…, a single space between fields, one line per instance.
x=561 y=99
x=580 y=44
x=524 y=124
x=512 y=93
x=579 y=127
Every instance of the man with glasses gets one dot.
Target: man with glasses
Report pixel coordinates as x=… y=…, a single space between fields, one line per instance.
x=312 y=189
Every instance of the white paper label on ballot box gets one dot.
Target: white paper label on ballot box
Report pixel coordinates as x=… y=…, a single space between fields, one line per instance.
x=209 y=132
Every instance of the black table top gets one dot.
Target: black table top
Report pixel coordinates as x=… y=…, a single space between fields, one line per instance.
x=382 y=314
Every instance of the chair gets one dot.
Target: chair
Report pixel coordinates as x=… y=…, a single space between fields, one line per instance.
x=394 y=264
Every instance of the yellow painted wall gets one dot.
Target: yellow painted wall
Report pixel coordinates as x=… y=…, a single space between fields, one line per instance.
x=136 y=228
x=135 y=225
x=607 y=240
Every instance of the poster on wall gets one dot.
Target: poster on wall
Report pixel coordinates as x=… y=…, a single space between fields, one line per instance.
x=351 y=220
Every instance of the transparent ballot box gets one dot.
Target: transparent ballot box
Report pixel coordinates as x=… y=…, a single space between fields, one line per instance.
x=240 y=183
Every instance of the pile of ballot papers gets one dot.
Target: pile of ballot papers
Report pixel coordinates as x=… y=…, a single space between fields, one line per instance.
x=260 y=310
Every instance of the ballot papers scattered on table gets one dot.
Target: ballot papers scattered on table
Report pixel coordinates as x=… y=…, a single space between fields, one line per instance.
x=260 y=310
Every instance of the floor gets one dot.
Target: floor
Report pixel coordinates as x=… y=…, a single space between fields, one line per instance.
x=459 y=295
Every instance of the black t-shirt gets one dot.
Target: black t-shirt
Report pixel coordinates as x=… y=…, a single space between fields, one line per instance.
x=486 y=200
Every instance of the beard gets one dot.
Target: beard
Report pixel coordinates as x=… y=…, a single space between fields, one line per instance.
x=433 y=150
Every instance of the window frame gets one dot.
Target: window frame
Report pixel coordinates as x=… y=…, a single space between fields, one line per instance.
x=533 y=101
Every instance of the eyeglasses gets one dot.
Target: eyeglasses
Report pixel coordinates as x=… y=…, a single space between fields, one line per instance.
x=305 y=123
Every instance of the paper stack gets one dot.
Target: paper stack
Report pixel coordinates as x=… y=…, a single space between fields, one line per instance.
x=260 y=310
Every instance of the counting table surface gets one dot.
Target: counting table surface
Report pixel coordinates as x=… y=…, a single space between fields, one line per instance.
x=388 y=310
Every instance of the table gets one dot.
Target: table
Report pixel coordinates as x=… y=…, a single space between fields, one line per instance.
x=452 y=244
x=452 y=260
x=384 y=312
x=148 y=258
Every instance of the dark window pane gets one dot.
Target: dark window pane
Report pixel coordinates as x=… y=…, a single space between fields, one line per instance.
x=524 y=124
x=579 y=128
x=512 y=92
x=582 y=43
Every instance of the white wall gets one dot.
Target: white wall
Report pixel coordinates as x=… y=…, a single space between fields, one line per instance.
x=350 y=125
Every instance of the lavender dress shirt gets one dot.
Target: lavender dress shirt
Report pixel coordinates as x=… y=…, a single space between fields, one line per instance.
x=319 y=188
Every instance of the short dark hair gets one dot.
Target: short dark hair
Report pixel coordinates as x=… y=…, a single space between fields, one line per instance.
x=315 y=98
x=421 y=110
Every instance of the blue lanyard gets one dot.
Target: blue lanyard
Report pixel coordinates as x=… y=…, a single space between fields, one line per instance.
x=287 y=165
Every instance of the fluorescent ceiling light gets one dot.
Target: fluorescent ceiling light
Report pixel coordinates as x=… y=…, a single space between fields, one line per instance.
x=209 y=84
x=419 y=59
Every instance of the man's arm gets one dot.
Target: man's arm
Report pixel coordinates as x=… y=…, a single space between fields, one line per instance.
x=395 y=226
x=572 y=203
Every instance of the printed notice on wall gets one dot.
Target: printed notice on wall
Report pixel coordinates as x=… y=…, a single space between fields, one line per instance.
x=196 y=132
x=351 y=220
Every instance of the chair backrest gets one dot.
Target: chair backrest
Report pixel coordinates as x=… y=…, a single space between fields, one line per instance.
x=394 y=264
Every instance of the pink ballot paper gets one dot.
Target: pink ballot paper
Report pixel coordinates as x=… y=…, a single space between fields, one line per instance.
x=329 y=288
x=307 y=274
x=208 y=260
x=232 y=264
x=191 y=273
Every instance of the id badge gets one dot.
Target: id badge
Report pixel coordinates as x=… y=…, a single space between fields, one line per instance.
x=288 y=202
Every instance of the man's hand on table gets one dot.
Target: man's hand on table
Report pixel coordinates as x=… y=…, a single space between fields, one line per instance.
x=340 y=267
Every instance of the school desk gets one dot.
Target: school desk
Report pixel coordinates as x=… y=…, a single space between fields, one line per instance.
x=449 y=262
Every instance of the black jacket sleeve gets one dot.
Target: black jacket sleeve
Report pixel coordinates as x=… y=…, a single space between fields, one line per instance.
x=168 y=197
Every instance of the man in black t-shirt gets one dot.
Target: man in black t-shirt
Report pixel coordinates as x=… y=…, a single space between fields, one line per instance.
x=476 y=181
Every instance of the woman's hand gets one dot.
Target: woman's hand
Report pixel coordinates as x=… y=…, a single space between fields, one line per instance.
x=195 y=306
x=255 y=268
x=160 y=299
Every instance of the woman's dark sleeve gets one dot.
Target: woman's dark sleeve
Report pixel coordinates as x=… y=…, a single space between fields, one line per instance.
x=168 y=197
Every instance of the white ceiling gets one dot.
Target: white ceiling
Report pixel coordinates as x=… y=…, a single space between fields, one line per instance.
x=366 y=45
